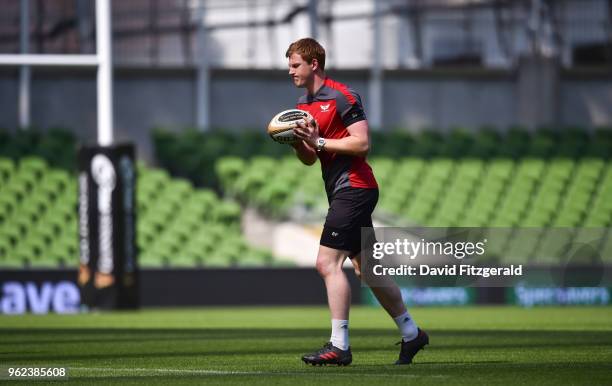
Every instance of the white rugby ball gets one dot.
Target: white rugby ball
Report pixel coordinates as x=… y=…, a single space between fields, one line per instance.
x=281 y=126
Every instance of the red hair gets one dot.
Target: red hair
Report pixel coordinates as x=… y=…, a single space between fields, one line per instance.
x=308 y=49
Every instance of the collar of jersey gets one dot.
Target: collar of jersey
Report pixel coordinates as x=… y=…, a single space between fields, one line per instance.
x=314 y=96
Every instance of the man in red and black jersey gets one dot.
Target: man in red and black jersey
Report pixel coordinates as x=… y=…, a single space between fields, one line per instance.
x=339 y=138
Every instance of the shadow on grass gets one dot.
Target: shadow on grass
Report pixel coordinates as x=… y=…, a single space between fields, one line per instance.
x=12 y=336
x=83 y=344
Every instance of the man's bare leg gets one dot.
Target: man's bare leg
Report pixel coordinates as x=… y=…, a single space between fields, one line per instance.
x=337 y=351
x=329 y=266
x=386 y=291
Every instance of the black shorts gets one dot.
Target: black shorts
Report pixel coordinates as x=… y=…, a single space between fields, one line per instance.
x=350 y=209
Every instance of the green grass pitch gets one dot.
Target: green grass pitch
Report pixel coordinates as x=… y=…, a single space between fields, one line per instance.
x=257 y=345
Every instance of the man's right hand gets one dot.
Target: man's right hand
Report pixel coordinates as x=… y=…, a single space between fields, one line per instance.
x=305 y=153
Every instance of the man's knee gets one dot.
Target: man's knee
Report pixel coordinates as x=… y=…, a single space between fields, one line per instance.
x=328 y=265
x=324 y=267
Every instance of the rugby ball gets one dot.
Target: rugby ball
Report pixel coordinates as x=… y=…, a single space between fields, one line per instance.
x=281 y=126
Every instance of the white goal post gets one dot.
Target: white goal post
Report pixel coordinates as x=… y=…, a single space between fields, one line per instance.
x=102 y=60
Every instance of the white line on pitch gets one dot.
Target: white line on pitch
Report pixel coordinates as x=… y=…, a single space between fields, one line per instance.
x=183 y=371
x=129 y=371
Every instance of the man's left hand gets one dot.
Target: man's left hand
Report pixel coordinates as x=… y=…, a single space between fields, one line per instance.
x=308 y=132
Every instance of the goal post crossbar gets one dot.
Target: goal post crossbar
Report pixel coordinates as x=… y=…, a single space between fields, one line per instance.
x=48 y=60
x=102 y=60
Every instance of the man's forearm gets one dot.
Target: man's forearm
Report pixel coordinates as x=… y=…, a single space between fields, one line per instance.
x=305 y=153
x=357 y=143
x=348 y=145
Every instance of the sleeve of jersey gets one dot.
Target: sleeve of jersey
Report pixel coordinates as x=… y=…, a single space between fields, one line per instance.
x=350 y=111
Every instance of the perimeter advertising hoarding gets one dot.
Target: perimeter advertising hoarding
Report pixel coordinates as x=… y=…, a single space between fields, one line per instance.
x=56 y=290
x=108 y=271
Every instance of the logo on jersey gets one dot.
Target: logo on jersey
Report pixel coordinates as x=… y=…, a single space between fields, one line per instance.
x=324 y=108
x=334 y=234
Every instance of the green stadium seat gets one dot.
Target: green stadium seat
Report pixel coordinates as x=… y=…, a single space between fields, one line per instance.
x=7 y=169
x=5 y=243
x=597 y=219
x=219 y=258
x=594 y=237
x=501 y=168
x=17 y=189
x=181 y=260
x=251 y=260
x=228 y=213
x=9 y=261
x=521 y=250
x=8 y=203
x=568 y=218
x=551 y=246
x=33 y=165
x=151 y=259
x=11 y=233
x=44 y=262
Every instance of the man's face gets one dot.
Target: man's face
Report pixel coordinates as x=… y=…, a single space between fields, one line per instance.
x=300 y=71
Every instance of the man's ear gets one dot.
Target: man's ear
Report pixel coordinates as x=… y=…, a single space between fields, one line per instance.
x=314 y=64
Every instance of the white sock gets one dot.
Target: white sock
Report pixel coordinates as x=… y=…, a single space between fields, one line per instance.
x=339 y=335
x=407 y=327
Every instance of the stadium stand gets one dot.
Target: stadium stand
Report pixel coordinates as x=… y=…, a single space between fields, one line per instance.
x=539 y=181
x=446 y=192
x=178 y=226
x=546 y=180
